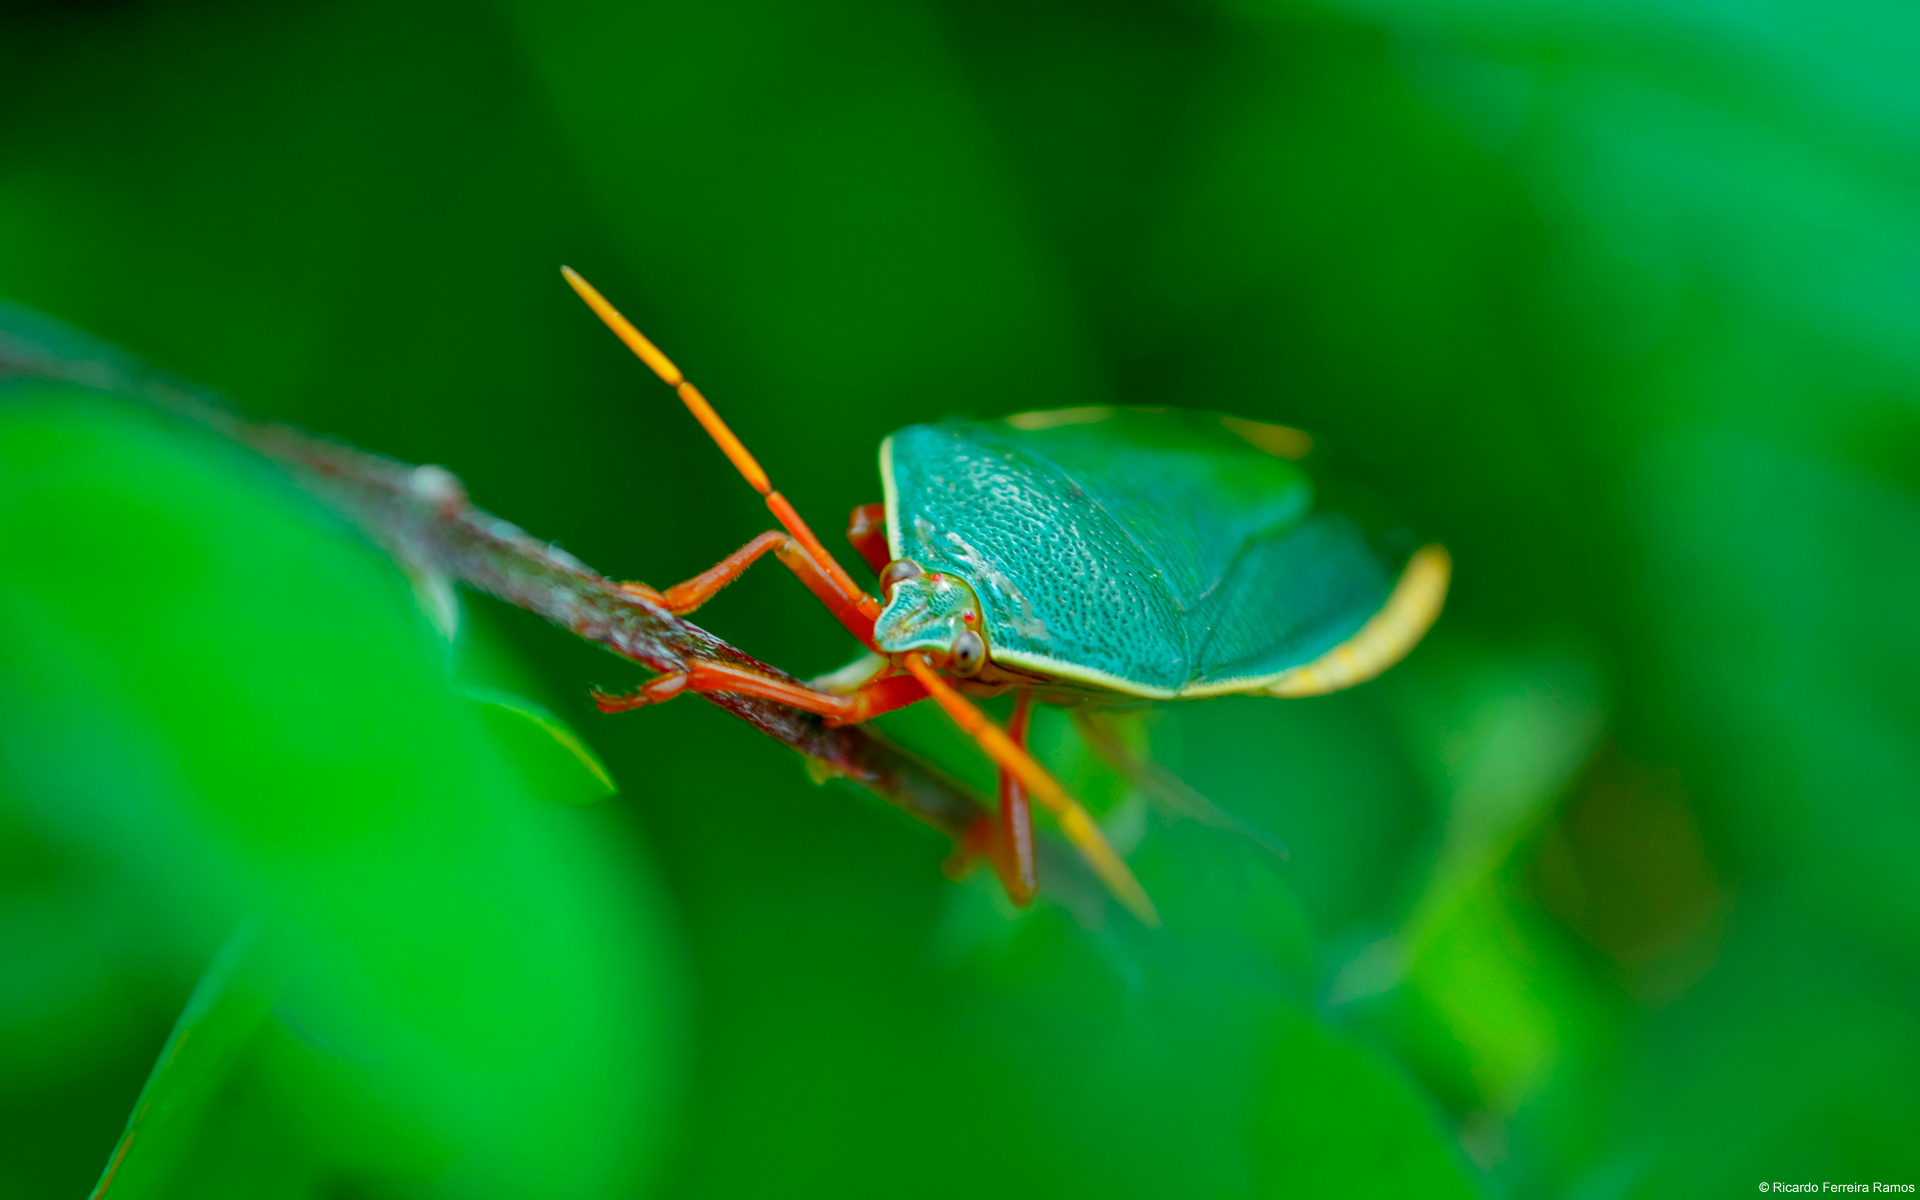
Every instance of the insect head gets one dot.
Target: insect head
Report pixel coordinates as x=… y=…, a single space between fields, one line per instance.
x=932 y=612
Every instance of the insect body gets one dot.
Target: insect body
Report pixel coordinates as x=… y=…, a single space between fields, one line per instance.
x=1078 y=555
x=1161 y=554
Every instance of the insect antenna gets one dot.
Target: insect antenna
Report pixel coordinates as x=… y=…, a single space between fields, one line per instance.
x=730 y=445
x=1074 y=820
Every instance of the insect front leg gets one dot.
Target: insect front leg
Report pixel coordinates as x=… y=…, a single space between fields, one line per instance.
x=686 y=597
x=803 y=554
x=864 y=703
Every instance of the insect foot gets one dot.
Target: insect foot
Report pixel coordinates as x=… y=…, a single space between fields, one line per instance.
x=654 y=691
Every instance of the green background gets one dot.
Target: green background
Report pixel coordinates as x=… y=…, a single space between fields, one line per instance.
x=1608 y=891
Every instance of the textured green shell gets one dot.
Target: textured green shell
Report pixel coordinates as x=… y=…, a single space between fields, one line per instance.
x=1147 y=551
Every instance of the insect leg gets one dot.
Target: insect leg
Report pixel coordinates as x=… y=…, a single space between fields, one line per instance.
x=1006 y=839
x=654 y=691
x=880 y=696
x=683 y=598
x=867 y=530
x=849 y=595
x=1015 y=860
x=850 y=614
x=1074 y=821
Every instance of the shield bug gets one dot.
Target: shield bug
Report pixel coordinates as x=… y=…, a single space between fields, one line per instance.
x=1075 y=556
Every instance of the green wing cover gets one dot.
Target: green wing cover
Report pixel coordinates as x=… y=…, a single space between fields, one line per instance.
x=1145 y=550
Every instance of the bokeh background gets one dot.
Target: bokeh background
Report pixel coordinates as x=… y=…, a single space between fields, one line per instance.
x=1609 y=891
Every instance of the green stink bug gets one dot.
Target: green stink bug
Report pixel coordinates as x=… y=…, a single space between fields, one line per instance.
x=1075 y=555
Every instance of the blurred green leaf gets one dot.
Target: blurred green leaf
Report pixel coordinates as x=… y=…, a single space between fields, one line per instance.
x=228 y=1004
x=1615 y=299
x=1339 y=1120
x=211 y=685
x=558 y=764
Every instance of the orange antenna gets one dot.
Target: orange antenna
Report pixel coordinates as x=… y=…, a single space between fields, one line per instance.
x=1074 y=820
x=730 y=445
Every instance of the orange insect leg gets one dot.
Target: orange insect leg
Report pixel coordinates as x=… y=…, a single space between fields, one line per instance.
x=869 y=701
x=849 y=599
x=1074 y=820
x=1018 y=874
x=683 y=598
x=867 y=530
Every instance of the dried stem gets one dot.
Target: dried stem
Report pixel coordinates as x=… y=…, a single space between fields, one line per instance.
x=422 y=516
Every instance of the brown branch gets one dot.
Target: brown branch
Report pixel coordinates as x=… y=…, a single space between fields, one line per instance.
x=421 y=516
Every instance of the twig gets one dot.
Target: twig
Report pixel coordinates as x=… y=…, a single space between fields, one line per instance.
x=421 y=516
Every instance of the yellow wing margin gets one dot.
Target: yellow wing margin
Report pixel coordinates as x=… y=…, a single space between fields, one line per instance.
x=1411 y=609
x=1409 y=612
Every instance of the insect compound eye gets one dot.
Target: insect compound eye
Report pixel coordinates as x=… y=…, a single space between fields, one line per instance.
x=897 y=570
x=969 y=653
